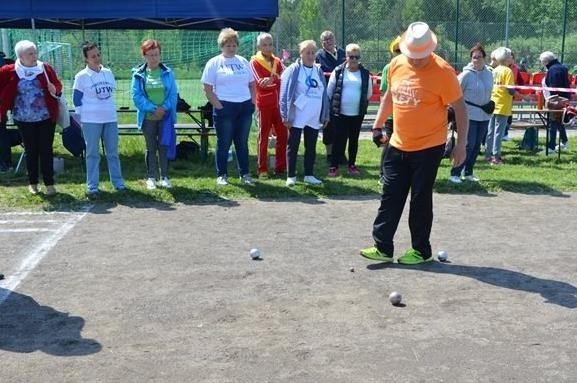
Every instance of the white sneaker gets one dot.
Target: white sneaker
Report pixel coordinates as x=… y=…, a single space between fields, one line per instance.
x=312 y=180
x=246 y=179
x=291 y=181
x=165 y=183
x=472 y=178
x=455 y=179
x=151 y=184
x=506 y=138
x=221 y=181
x=562 y=146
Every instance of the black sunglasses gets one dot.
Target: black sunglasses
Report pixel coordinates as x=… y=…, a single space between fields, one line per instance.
x=354 y=57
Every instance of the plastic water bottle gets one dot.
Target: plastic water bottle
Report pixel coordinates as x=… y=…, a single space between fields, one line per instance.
x=230 y=155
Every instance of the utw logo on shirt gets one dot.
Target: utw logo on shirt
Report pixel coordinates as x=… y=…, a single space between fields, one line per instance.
x=103 y=90
x=233 y=69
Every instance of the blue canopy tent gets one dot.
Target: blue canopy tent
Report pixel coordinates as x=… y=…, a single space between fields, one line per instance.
x=254 y=15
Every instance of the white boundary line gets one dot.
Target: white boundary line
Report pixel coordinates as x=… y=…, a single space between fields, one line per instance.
x=29 y=230
x=31 y=221
x=36 y=255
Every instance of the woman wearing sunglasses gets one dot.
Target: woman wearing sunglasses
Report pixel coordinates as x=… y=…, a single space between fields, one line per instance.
x=349 y=88
x=304 y=108
x=94 y=88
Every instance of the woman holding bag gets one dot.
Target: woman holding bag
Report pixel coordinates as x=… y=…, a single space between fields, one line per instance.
x=31 y=88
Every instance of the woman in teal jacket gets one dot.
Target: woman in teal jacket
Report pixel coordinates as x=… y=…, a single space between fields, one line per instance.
x=154 y=93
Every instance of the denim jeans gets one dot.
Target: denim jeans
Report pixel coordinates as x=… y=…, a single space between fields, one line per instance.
x=108 y=133
x=495 y=133
x=294 y=140
x=404 y=172
x=553 y=127
x=232 y=125
x=477 y=130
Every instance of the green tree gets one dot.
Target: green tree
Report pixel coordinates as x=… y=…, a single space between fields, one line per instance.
x=309 y=12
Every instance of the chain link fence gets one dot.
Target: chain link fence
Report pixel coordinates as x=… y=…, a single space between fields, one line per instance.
x=528 y=27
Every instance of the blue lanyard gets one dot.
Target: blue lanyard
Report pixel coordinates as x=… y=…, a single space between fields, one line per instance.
x=310 y=82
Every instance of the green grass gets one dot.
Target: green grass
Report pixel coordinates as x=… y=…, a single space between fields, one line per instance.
x=194 y=182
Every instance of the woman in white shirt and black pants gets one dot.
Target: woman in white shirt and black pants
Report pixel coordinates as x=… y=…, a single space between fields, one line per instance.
x=304 y=108
x=349 y=89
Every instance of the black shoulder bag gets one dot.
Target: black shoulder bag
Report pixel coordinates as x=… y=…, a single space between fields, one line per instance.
x=488 y=108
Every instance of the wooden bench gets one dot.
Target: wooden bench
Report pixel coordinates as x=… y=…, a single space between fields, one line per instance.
x=198 y=128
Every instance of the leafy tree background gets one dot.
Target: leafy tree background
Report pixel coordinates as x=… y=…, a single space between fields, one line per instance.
x=534 y=26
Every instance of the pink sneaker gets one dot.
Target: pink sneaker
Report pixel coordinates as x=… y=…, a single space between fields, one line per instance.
x=332 y=171
x=354 y=171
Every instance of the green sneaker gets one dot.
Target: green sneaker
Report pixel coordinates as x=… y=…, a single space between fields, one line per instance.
x=413 y=257
x=374 y=254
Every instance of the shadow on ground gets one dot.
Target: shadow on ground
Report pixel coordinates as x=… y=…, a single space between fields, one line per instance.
x=555 y=292
x=26 y=326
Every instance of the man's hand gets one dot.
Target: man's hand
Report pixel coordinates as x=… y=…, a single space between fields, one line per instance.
x=379 y=138
x=266 y=82
x=459 y=155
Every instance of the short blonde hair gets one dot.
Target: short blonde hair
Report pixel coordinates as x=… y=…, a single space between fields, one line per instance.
x=307 y=44
x=353 y=47
x=227 y=35
x=22 y=46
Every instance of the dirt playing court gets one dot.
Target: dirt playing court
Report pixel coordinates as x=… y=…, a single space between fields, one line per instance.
x=170 y=294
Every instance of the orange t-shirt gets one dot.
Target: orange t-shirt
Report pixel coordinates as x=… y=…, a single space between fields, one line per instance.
x=420 y=99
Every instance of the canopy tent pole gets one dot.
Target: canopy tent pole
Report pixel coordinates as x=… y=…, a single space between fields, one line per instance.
x=34 y=40
x=5 y=43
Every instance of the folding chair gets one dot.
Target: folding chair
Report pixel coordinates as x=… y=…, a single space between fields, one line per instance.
x=537 y=78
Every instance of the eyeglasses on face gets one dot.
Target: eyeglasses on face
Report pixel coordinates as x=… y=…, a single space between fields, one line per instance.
x=353 y=57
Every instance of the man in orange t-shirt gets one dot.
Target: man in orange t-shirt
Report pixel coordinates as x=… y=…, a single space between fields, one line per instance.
x=421 y=85
x=267 y=69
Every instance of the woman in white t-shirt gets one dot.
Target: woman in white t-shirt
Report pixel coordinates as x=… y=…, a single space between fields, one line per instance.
x=229 y=86
x=304 y=108
x=94 y=88
x=350 y=87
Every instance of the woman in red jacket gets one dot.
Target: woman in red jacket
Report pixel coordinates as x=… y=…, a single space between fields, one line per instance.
x=30 y=88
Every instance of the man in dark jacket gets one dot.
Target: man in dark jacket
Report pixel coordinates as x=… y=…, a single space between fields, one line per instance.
x=329 y=57
x=557 y=77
